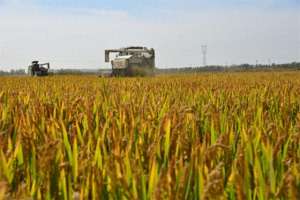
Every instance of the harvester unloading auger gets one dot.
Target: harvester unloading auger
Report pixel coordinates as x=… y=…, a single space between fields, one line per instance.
x=132 y=61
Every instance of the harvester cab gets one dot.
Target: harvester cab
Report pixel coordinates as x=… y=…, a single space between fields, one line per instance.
x=36 y=69
x=132 y=61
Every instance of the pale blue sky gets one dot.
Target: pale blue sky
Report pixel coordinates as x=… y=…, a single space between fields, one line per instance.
x=74 y=33
x=132 y=4
x=138 y=6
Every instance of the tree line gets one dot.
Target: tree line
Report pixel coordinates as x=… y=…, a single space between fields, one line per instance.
x=212 y=68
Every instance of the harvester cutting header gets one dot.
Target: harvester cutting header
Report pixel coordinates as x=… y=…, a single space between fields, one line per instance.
x=131 y=61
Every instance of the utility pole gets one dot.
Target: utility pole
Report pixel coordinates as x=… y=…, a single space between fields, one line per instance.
x=204 y=53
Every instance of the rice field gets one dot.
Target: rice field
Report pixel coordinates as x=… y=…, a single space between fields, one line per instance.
x=205 y=136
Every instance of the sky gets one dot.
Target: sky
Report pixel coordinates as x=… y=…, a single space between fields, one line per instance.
x=75 y=33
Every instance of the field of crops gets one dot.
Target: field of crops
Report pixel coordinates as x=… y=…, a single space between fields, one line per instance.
x=206 y=136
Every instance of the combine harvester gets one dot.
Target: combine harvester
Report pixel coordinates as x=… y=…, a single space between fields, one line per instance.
x=36 y=69
x=132 y=61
